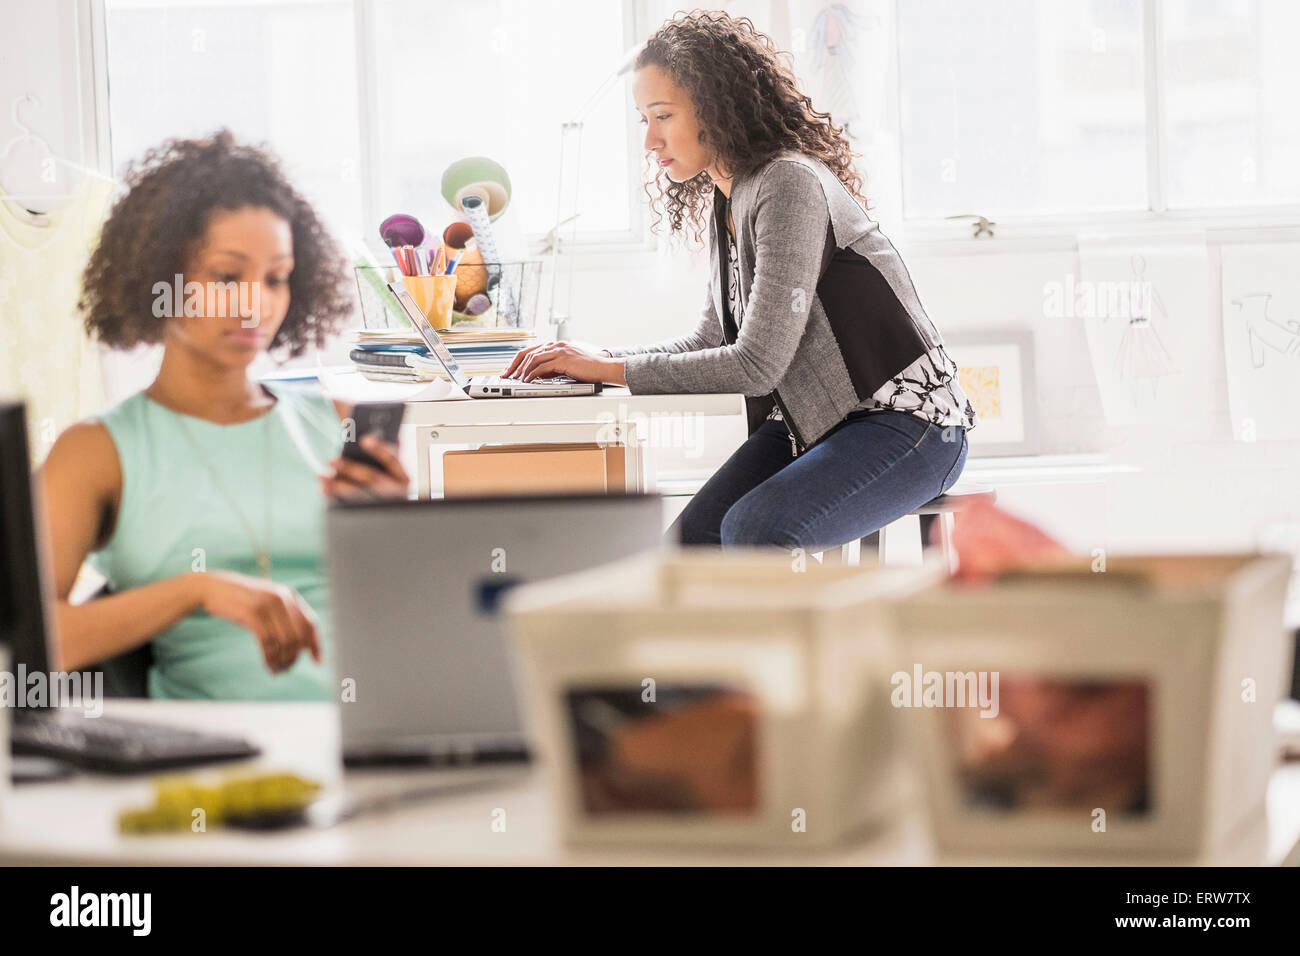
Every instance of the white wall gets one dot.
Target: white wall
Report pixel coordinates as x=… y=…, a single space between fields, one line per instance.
x=1198 y=487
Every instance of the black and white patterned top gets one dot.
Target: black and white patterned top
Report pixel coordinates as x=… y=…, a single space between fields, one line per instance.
x=928 y=388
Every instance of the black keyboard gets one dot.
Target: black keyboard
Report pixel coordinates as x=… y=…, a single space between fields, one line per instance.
x=112 y=745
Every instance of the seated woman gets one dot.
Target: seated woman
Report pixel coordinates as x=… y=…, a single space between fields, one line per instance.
x=201 y=499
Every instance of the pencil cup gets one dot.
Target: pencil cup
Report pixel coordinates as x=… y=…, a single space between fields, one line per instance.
x=434 y=295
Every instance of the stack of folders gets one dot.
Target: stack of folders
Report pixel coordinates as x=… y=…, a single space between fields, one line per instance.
x=398 y=355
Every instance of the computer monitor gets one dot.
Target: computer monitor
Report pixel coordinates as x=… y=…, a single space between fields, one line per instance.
x=24 y=601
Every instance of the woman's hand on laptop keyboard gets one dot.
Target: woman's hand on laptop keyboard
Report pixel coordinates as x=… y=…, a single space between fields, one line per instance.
x=565 y=358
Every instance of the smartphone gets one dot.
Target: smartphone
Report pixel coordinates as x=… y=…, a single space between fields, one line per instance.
x=378 y=418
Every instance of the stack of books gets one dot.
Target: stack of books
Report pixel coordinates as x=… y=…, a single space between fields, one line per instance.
x=400 y=355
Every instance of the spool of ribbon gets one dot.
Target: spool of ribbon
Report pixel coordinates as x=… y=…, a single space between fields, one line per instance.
x=477 y=215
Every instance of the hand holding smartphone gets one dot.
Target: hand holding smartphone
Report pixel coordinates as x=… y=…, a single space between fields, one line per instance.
x=378 y=418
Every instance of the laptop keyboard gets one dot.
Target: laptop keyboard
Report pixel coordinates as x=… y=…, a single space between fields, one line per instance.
x=442 y=751
x=497 y=381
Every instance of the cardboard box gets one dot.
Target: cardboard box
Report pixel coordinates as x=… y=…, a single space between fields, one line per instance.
x=561 y=468
x=1133 y=706
x=708 y=698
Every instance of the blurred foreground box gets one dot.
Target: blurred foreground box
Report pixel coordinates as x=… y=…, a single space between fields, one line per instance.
x=1132 y=707
x=701 y=698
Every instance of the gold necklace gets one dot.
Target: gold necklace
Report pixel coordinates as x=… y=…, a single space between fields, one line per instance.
x=263 y=552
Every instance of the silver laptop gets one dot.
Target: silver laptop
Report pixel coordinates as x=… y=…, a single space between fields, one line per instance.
x=415 y=588
x=484 y=386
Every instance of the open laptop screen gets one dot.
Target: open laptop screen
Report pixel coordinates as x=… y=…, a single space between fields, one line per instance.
x=427 y=332
x=415 y=588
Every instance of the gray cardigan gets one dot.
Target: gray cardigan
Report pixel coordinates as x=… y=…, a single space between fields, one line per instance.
x=830 y=313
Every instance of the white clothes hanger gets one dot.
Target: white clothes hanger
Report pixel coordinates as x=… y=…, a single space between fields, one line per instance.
x=28 y=136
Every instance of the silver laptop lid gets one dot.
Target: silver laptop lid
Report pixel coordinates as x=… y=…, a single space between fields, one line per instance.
x=414 y=591
x=430 y=335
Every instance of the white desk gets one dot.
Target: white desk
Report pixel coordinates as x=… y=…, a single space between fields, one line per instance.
x=74 y=821
x=615 y=416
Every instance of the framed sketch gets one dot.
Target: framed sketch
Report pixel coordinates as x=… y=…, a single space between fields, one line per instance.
x=996 y=371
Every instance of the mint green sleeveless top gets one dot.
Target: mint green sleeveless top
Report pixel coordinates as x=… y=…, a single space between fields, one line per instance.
x=174 y=519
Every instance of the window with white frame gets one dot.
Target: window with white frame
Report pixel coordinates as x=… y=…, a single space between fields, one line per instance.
x=1041 y=107
x=282 y=74
x=417 y=83
x=498 y=78
x=1021 y=107
x=1014 y=109
x=1230 y=123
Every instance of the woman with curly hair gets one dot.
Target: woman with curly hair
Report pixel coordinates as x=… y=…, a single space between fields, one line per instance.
x=856 y=414
x=200 y=498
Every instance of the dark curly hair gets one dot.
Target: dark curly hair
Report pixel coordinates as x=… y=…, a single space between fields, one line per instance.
x=154 y=229
x=749 y=108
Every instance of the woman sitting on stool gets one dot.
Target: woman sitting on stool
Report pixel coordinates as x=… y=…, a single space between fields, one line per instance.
x=856 y=414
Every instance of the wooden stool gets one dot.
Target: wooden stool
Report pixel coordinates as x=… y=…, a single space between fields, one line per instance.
x=941 y=509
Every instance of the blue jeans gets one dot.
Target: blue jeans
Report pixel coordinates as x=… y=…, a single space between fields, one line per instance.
x=869 y=470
